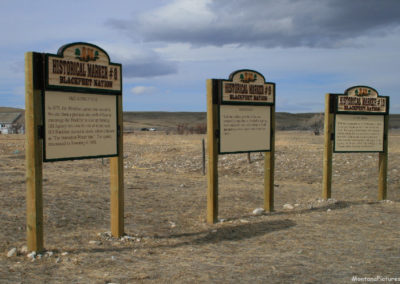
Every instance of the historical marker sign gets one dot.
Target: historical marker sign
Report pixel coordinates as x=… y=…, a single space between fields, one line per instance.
x=73 y=109
x=359 y=120
x=356 y=121
x=245 y=102
x=240 y=118
x=80 y=103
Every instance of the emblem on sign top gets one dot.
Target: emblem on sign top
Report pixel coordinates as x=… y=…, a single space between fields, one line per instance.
x=248 y=77
x=86 y=54
x=361 y=91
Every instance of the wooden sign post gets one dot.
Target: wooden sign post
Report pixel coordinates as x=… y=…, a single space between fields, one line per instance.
x=73 y=111
x=356 y=121
x=33 y=153
x=240 y=119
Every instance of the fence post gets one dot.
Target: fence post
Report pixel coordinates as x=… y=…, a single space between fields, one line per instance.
x=203 y=148
x=383 y=163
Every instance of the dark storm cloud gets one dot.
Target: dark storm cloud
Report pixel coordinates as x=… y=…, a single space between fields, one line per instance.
x=286 y=23
x=151 y=68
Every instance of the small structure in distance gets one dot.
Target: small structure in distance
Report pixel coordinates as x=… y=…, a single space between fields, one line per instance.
x=11 y=123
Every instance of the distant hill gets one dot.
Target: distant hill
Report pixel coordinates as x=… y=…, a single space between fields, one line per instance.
x=294 y=121
x=11 y=109
x=165 y=121
x=169 y=121
x=394 y=121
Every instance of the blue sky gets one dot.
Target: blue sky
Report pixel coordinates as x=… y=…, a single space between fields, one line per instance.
x=168 y=48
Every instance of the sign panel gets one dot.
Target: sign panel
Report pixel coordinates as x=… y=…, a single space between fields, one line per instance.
x=361 y=99
x=80 y=103
x=79 y=125
x=83 y=66
x=247 y=87
x=359 y=133
x=244 y=128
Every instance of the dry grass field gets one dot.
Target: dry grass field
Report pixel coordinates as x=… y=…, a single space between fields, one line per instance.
x=306 y=239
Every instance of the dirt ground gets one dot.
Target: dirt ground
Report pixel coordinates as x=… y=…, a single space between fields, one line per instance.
x=306 y=239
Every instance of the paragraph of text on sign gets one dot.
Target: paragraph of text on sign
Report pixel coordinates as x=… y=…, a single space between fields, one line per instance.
x=79 y=125
x=359 y=133
x=244 y=128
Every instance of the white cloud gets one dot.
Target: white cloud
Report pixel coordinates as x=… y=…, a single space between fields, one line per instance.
x=193 y=13
x=140 y=61
x=143 y=90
